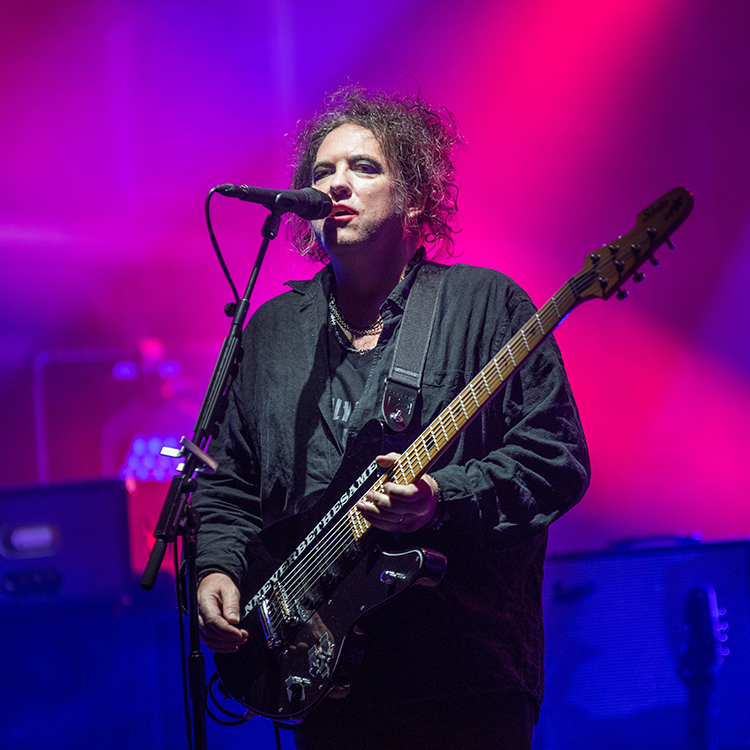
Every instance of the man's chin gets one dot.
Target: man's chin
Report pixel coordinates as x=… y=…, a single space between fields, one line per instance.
x=339 y=241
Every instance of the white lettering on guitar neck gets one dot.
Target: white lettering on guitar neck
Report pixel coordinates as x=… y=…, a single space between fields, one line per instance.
x=267 y=589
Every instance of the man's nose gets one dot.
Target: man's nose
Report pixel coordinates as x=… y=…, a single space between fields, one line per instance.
x=339 y=185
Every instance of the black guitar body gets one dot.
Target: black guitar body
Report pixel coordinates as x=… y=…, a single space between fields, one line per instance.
x=302 y=642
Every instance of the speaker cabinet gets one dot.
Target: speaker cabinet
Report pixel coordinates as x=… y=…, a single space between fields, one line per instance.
x=63 y=543
x=617 y=637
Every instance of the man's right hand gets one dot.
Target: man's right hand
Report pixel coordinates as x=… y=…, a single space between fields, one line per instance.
x=219 y=613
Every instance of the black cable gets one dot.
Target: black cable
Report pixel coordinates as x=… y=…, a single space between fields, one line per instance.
x=237 y=719
x=216 y=246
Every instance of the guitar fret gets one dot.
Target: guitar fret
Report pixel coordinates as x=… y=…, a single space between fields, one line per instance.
x=474 y=395
x=497 y=368
x=539 y=320
x=432 y=446
x=486 y=384
x=525 y=341
x=554 y=304
x=510 y=354
x=399 y=476
x=442 y=427
x=461 y=397
x=419 y=454
x=422 y=452
x=399 y=473
x=407 y=454
x=504 y=360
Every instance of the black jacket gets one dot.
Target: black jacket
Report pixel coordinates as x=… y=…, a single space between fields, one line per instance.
x=520 y=465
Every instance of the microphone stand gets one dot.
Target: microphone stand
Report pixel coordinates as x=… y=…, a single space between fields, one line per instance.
x=177 y=515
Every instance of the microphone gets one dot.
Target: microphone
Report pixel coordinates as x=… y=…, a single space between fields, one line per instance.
x=307 y=203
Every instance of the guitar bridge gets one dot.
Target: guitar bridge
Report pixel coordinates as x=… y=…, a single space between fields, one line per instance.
x=291 y=611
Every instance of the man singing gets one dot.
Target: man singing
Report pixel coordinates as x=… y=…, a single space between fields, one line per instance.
x=458 y=665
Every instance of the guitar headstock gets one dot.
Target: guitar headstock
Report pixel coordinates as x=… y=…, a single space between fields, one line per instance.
x=607 y=269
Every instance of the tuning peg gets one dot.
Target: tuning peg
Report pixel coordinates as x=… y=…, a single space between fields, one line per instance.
x=669 y=243
x=638 y=278
x=595 y=258
x=622 y=294
x=654 y=261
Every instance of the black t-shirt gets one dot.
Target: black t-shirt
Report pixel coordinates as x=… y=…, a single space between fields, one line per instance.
x=349 y=372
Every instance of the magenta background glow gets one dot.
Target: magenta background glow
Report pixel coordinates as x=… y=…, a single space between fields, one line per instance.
x=119 y=116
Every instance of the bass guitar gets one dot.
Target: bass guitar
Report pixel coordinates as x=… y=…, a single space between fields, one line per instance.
x=301 y=620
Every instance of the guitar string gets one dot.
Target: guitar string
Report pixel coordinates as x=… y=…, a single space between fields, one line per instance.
x=341 y=536
x=319 y=556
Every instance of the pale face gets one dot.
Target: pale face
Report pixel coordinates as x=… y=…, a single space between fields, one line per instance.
x=351 y=168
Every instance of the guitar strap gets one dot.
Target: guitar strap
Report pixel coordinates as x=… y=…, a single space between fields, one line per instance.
x=405 y=378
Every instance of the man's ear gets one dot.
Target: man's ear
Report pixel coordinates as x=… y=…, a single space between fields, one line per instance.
x=414 y=212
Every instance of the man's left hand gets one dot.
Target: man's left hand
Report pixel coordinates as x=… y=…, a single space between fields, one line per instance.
x=400 y=507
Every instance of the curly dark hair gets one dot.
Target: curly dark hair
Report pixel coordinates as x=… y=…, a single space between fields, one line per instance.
x=419 y=143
